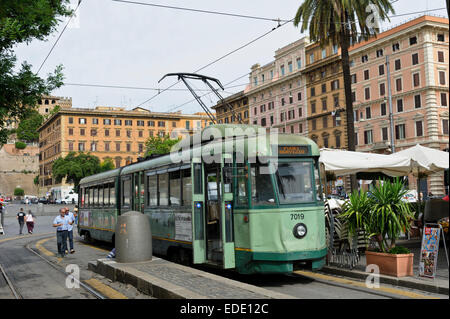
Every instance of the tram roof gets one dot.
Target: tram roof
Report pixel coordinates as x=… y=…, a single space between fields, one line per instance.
x=100 y=176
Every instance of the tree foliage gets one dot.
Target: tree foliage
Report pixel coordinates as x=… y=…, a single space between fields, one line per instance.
x=20 y=145
x=76 y=166
x=21 y=88
x=156 y=145
x=28 y=127
x=19 y=191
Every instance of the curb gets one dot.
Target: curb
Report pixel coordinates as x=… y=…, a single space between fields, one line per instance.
x=161 y=289
x=413 y=283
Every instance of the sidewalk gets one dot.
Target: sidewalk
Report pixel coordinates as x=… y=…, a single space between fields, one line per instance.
x=162 y=279
x=439 y=284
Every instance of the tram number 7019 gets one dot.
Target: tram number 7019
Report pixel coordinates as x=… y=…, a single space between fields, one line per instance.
x=297 y=216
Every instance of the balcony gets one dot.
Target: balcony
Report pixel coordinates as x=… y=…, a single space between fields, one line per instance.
x=380 y=145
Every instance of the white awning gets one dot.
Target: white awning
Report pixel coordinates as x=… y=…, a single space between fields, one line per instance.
x=424 y=159
x=343 y=162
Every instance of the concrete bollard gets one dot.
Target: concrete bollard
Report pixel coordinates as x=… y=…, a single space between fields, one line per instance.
x=133 y=238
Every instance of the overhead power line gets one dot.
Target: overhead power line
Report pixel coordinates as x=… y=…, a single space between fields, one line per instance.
x=201 y=11
x=139 y=88
x=59 y=37
x=222 y=57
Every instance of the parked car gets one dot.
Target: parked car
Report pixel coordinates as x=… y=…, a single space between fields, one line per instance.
x=43 y=200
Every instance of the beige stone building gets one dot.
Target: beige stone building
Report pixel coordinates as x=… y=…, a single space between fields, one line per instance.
x=107 y=132
x=240 y=111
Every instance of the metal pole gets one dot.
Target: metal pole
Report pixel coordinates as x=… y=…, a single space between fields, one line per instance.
x=391 y=116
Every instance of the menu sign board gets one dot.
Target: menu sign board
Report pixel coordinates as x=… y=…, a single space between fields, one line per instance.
x=293 y=150
x=429 y=252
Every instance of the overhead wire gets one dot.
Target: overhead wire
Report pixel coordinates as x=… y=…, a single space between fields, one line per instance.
x=59 y=37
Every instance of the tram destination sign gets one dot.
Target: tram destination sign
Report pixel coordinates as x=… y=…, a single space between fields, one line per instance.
x=293 y=150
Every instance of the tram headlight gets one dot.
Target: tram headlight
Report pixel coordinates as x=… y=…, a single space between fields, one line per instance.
x=300 y=230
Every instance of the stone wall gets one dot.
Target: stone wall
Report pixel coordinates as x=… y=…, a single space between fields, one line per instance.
x=18 y=168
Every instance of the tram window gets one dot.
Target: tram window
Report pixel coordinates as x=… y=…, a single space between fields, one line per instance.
x=82 y=190
x=242 y=194
x=294 y=182
x=163 y=189
x=126 y=187
x=91 y=196
x=187 y=187
x=95 y=202
x=105 y=194
x=152 y=190
x=100 y=195
x=112 y=194
x=175 y=188
x=86 y=197
x=262 y=189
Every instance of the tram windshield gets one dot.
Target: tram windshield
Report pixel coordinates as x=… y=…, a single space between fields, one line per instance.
x=295 y=182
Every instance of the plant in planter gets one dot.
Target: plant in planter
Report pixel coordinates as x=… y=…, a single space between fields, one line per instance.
x=382 y=217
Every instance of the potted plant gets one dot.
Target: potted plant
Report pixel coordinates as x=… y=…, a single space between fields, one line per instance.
x=382 y=217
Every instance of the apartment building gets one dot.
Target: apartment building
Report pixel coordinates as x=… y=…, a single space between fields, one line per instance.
x=238 y=113
x=277 y=91
x=325 y=96
x=107 y=132
x=418 y=57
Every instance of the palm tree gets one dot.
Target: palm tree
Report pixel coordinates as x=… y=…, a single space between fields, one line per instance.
x=342 y=22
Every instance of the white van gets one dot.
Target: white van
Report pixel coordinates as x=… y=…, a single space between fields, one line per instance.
x=72 y=198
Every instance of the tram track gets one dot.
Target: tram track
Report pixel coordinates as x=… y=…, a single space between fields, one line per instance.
x=85 y=286
x=10 y=284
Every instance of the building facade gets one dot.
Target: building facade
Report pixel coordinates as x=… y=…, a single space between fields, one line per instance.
x=239 y=112
x=418 y=57
x=325 y=96
x=48 y=102
x=277 y=91
x=106 y=132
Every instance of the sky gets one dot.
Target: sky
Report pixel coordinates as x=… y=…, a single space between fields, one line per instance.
x=121 y=44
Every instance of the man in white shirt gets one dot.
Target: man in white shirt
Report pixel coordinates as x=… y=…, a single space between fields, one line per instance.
x=71 y=218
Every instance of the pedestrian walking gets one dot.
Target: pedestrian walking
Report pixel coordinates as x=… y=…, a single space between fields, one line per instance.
x=21 y=218
x=29 y=218
x=61 y=222
x=75 y=213
x=71 y=217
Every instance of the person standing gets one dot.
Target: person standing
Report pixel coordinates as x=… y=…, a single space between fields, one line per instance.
x=61 y=223
x=21 y=218
x=71 y=217
x=29 y=218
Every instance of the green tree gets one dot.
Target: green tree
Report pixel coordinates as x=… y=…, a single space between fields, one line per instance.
x=20 y=145
x=20 y=88
x=107 y=165
x=76 y=166
x=159 y=145
x=36 y=180
x=342 y=22
x=19 y=191
x=28 y=127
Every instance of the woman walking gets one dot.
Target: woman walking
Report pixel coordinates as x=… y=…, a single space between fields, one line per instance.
x=29 y=218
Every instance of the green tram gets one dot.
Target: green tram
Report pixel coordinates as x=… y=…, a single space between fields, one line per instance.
x=230 y=212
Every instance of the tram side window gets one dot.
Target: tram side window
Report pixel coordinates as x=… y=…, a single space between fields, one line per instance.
x=106 y=195
x=163 y=189
x=112 y=194
x=82 y=190
x=187 y=187
x=100 y=196
x=95 y=202
x=242 y=193
x=126 y=187
x=152 y=190
x=91 y=196
x=262 y=189
x=175 y=188
x=86 y=197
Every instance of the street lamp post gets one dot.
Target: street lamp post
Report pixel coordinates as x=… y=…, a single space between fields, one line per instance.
x=391 y=115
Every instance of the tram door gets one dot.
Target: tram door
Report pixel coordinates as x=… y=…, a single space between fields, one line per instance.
x=212 y=218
